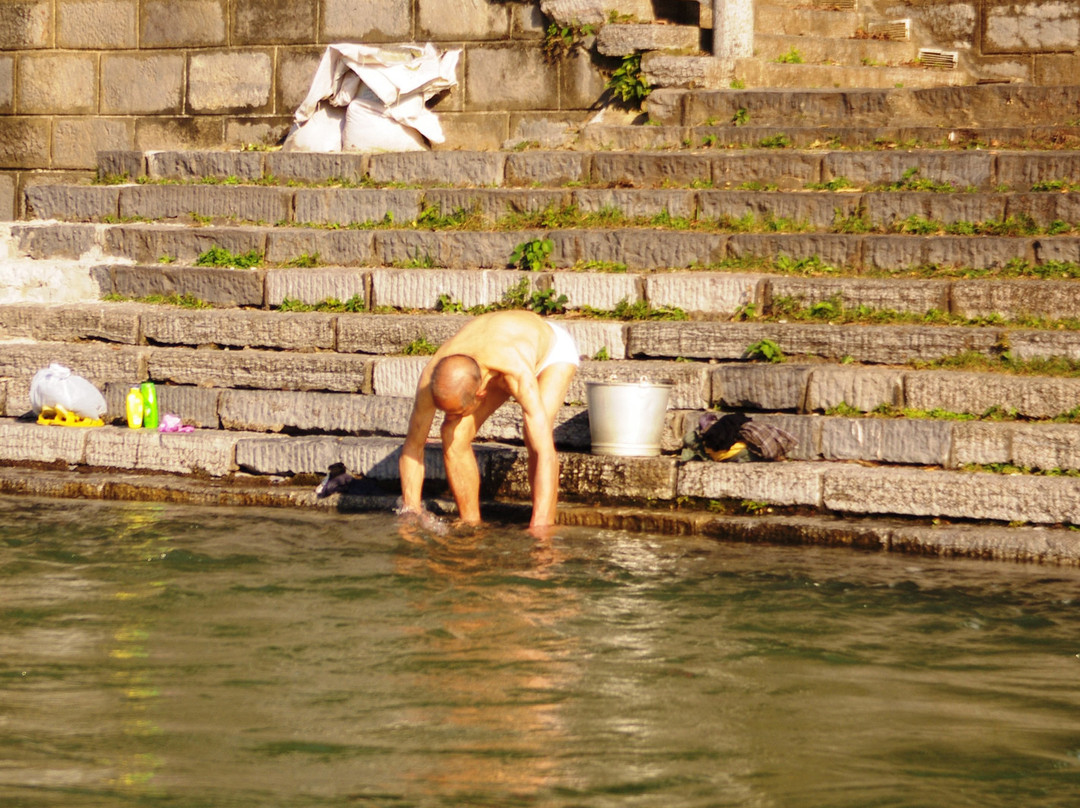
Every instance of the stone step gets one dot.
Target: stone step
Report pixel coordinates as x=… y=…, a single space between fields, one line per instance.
x=636 y=248
x=968 y=105
x=840 y=488
x=770 y=47
x=741 y=131
x=806 y=22
x=755 y=72
x=616 y=39
x=491 y=207
x=566 y=170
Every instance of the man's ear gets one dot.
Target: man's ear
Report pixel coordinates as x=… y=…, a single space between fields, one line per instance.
x=481 y=393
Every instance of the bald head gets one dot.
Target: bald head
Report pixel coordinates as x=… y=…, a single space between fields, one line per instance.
x=454 y=382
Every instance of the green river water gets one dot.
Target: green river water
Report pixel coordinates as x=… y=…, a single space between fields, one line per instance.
x=155 y=655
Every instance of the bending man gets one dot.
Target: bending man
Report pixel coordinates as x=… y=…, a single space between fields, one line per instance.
x=494 y=357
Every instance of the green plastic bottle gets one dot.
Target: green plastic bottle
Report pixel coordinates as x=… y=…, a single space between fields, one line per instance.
x=150 y=405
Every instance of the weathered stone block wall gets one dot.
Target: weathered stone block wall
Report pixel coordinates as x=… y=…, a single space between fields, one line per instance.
x=1036 y=41
x=78 y=76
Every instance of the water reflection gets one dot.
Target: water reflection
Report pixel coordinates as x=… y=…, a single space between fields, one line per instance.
x=252 y=658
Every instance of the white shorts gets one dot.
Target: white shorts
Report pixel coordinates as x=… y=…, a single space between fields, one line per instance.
x=563 y=349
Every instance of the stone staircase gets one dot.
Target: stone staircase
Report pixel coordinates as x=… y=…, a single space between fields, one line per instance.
x=923 y=301
x=797 y=43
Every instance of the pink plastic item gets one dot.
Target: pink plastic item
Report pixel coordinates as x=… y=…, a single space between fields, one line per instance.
x=172 y=423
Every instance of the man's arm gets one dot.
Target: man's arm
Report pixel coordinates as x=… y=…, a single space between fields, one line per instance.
x=411 y=463
x=540 y=440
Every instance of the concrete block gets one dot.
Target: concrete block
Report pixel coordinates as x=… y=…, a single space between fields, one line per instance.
x=690 y=381
x=493 y=204
x=1059 y=248
x=347 y=206
x=261 y=370
x=776 y=483
x=624 y=39
x=230 y=82
x=397 y=375
x=635 y=203
x=193 y=164
x=895 y=252
x=242 y=329
x=53 y=241
x=123 y=164
x=549 y=169
x=591 y=477
x=96 y=24
x=818 y=210
x=713 y=293
x=141 y=84
x=376 y=458
x=907 y=295
x=859 y=387
x=76 y=140
x=977 y=252
x=982 y=442
x=72 y=202
x=204 y=132
x=183 y=23
x=274 y=23
x=25 y=24
x=1044 y=208
x=368 y=21
x=833 y=249
x=650 y=170
x=105 y=322
x=99 y=366
x=892 y=440
x=887 y=208
x=510 y=77
x=651 y=249
x=24 y=142
x=57 y=83
x=1021 y=170
x=581 y=83
x=315 y=166
x=1038 y=27
x=973 y=169
x=267 y=205
x=196 y=406
x=805 y=428
x=392 y=333
x=438 y=168
x=228 y=287
x=788 y=170
x=597 y=289
x=274 y=411
x=1013 y=299
x=421 y=289
x=593 y=335
x=754 y=386
x=150 y=244
x=7 y=84
x=468 y=249
x=1031 y=397
x=209 y=452
x=33 y=443
x=1046 y=447
x=295 y=68
x=313 y=286
x=1057 y=68
x=334 y=247
x=1044 y=344
x=8 y=201
x=953 y=494
x=486 y=130
x=469 y=20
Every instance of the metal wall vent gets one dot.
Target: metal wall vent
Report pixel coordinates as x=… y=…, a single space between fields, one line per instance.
x=939 y=58
x=893 y=29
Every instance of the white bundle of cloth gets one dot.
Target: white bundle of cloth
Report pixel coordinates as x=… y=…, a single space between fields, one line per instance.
x=369 y=99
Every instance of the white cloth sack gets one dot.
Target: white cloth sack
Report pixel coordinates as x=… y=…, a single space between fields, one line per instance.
x=392 y=83
x=57 y=385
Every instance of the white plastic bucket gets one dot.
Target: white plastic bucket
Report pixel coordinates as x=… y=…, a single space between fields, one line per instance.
x=626 y=418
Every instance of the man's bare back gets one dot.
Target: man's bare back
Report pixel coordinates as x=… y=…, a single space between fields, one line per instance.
x=513 y=354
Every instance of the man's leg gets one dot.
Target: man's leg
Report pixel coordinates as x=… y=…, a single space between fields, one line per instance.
x=461 y=470
x=554 y=382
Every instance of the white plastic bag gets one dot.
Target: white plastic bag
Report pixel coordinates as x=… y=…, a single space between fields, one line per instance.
x=369 y=129
x=56 y=386
x=321 y=133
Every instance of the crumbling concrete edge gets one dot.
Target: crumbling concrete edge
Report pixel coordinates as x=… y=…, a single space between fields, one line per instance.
x=1043 y=545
